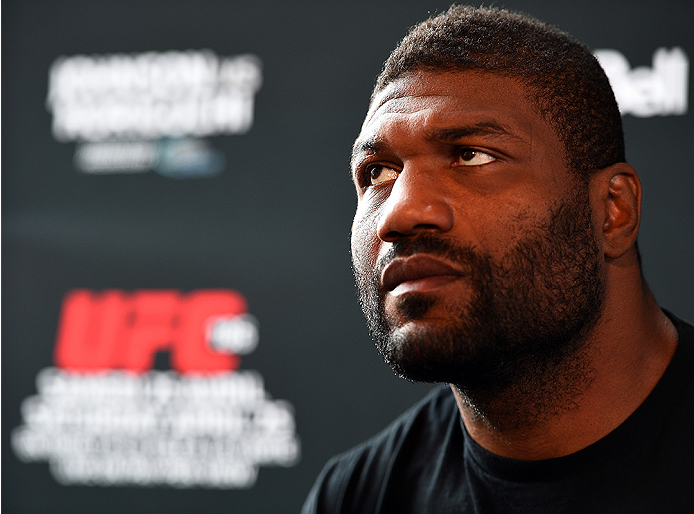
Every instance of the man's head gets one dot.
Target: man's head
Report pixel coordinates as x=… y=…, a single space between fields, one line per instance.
x=565 y=81
x=478 y=243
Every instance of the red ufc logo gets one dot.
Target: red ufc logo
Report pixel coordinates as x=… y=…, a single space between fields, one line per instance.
x=115 y=329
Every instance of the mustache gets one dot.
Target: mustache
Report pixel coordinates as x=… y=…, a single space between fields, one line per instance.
x=464 y=256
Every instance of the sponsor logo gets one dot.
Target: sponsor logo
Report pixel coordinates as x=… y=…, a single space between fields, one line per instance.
x=660 y=90
x=104 y=416
x=131 y=113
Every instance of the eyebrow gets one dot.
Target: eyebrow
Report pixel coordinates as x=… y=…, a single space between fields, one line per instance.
x=443 y=135
x=484 y=128
x=369 y=146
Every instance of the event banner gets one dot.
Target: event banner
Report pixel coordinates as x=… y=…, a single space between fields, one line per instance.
x=179 y=321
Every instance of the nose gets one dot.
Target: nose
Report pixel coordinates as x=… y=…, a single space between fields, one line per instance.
x=417 y=202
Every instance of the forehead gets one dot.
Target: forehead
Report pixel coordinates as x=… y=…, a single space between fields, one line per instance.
x=433 y=100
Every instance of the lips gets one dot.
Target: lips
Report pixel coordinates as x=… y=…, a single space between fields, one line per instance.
x=417 y=272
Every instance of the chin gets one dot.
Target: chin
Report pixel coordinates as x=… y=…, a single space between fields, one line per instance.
x=423 y=350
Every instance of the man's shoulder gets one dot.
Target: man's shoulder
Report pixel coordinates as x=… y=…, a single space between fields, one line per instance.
x=685 y=330
x=676 y=387
x=684 y=354
x=359 y=475
x=427 y=415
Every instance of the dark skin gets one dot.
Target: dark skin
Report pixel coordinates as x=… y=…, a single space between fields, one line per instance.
x=465 y=155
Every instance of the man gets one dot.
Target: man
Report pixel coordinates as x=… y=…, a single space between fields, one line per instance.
x=494 y=247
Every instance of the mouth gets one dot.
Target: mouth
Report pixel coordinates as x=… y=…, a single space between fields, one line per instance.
x=417 y=273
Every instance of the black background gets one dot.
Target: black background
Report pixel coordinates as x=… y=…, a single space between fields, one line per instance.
x=274 y=225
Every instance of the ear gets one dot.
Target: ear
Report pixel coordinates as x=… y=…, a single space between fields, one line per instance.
x=617 y=190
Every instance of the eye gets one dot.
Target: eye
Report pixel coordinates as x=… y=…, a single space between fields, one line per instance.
x=472 y=157
x=378 y=174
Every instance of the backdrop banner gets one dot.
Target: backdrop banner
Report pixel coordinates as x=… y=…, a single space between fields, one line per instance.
x=180 y=327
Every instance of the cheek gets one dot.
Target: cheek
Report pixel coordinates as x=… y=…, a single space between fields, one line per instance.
x=505 y=225
x=364 y=241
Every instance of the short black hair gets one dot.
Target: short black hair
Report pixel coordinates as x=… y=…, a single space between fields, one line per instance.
x=565 y=80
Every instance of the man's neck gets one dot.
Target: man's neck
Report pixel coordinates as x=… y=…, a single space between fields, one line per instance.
x=581 y=399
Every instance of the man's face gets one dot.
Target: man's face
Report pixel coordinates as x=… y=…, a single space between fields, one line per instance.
x=473 y=246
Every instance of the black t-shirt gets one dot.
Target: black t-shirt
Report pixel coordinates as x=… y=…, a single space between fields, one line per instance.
x=425 y=462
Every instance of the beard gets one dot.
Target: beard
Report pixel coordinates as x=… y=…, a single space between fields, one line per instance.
x=527 y=315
